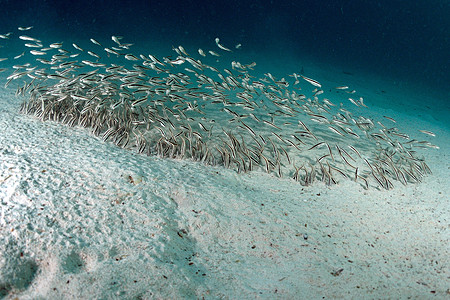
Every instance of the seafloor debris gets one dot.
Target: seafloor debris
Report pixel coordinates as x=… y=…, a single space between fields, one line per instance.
x=182 y=107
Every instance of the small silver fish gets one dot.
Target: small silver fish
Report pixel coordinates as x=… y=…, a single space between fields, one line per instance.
x=95 y=42
x=5 y=36
x=20 y=55
x=312 y=81
x=25 y=28
x=201 y=52
x=428 y=132
x=55 y=45
x=213 y=53
x=116 y=39
x=36 y=52
x=77 y=47
x=28 y=38
x=221 y=46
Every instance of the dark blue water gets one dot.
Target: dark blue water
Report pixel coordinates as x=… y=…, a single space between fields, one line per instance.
x=404 y=41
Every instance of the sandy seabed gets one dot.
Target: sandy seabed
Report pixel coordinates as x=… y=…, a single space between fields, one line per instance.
x=80 y=218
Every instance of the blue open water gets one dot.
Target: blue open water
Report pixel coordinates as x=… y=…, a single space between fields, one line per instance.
x=406 y=42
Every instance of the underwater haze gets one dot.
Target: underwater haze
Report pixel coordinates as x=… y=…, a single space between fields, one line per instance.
x=224 y=149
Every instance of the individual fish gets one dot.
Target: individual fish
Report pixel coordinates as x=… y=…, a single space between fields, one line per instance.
x=213 y=53
x=180 y=60
x=92 y=64
x=93 y=54
x=131 y=57
x=155 y=60
x=390 y=119
x=271 y=124
x=252 y=132
x=56 y=45
x=353 y=101
x=112 y=51
x=354 y=150
x=20 y=55
x=116 y=39
x=25 y=28
x=138 y=101
x=361 y=102
x=328 y=102
x=221 y=46
x=183 y=51
x=28 y=38
x=335 y=130
x=33 y=45
x=428 y=132
x=36 y=52
x=201 y=52
x=312 y=81
x=5 y=36
x=77 y=47
x=95 y=42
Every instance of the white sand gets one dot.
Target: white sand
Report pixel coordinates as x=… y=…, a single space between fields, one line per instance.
x=84 y=219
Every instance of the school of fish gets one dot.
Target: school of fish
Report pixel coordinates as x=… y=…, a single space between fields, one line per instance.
x=183 y=108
